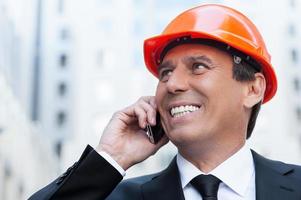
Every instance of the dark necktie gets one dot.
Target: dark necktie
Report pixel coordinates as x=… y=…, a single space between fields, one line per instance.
x=207 y=186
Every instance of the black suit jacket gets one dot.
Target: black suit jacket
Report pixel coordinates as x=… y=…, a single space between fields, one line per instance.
x=92 y=177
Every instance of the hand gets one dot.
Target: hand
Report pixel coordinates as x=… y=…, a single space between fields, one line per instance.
x=124 y=137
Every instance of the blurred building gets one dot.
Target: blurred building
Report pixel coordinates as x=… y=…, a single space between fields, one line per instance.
x=17 y=41
x=26 y=159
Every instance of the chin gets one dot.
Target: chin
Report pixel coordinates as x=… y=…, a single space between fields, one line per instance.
x=183 y=136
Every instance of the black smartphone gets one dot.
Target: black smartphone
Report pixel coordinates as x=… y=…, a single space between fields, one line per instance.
x=155 y=133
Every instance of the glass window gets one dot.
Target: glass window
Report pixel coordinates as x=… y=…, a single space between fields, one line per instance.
x=292 y=30
x=62 y=88
x=63 y=60
x=64 y=34
x=61 y=118
x=99 y=58
x=58 y=149
x=294 y=55
x=298 y=113
x=61 y=6
x=293 y=3
x=7 y=170
x=297 y=84
x=21 y=189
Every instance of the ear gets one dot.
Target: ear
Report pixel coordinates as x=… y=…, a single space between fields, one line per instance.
x=254 y=92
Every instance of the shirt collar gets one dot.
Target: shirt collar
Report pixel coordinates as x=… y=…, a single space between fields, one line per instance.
x=227 y=171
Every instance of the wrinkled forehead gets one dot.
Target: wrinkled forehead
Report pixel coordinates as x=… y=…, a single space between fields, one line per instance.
x=208 y=44
x=189 y=52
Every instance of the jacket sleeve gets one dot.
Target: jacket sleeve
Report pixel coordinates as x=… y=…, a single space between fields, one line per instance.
x=92 y=177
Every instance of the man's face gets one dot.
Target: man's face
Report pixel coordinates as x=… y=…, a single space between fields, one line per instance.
x=197 y=97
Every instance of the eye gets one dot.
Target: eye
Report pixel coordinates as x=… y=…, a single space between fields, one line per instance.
x=164 y=74
x=199 y=67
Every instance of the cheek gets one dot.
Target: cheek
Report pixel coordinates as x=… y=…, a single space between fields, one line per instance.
x=159 y=96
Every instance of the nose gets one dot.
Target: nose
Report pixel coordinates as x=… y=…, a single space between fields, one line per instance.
x=178 y=81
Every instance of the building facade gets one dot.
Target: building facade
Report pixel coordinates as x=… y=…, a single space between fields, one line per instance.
x=26 y=158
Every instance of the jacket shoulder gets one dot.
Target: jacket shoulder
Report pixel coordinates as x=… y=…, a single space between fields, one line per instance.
x=290 y=170
x=131 y=188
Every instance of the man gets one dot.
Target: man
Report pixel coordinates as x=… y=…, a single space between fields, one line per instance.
x=214 y=72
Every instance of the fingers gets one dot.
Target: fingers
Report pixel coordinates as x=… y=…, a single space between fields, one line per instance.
x=150 y=112
x=152 y=102
x=144 y=110
x=141 y=115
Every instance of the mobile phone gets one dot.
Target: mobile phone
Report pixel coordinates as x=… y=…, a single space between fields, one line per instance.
x=155 y=133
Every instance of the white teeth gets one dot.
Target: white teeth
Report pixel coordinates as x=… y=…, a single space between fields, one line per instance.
x=182 y=110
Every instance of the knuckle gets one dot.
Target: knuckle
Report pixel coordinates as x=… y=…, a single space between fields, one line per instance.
x=116 y=114
x=141 y=99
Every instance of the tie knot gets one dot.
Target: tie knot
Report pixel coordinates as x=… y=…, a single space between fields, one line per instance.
x=207 y=186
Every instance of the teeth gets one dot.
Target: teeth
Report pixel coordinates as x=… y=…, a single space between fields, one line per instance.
x=182 y=110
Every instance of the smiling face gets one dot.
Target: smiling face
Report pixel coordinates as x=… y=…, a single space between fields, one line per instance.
x=197 y=97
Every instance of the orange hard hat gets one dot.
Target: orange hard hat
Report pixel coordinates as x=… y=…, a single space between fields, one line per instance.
x=218 y=23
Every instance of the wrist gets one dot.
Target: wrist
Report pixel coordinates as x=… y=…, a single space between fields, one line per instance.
x=120 y=158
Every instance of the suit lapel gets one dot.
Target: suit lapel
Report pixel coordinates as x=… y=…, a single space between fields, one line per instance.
x=271 y=178
x=166 y=185
x=272 y=182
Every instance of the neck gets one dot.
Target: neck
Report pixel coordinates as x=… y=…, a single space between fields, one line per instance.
x=208 y=158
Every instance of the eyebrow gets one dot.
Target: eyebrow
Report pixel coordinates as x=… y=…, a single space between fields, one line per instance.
x=186 y=59
x=189 y=59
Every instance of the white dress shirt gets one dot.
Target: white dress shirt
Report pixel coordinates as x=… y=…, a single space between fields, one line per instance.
x=237 y=174
x=110 y=160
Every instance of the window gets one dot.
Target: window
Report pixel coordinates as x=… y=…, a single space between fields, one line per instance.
x=294 y=55
x=20 y=189
x=298 y=113
x=62 y=89
x=63 y=60
x=292 y=30
x=296 y=84
x=7 y=170
x=293 y=3
x=58 y=149
x=61 y=6
x=64 y=34
x=99 y=58
x=61 y=118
